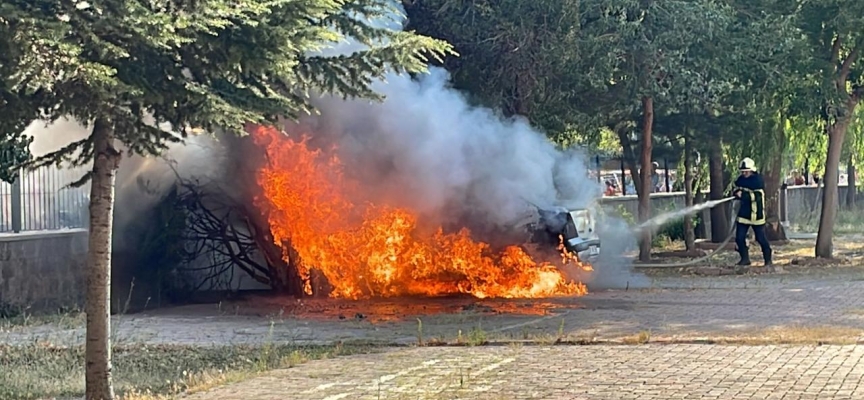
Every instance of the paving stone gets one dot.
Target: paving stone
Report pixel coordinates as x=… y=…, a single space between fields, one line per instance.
x=554 y=372
x=676 y=309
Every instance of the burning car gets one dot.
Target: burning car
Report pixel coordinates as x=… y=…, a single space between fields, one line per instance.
x=574 y=229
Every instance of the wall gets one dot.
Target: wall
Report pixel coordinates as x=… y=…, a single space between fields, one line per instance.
x=42 y=270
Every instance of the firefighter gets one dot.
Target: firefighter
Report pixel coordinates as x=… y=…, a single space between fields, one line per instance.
x=750 y=189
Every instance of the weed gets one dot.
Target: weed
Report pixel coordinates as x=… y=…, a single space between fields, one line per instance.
x=477 y=337
x=642 y=337
x=561 y=330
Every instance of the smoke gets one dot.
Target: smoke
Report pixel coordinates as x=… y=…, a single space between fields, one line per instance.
x=53 y=137
x=612 y=269
x=141 y=181
x=426 y=148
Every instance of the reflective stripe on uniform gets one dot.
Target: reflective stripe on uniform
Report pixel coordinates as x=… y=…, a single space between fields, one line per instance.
x=757 y=207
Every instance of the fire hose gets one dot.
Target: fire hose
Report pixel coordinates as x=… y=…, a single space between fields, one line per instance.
x=732 y=224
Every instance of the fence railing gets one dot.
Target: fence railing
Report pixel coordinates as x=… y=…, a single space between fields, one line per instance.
x=42 y=199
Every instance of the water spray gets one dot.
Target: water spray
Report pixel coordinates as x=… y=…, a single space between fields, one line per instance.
x=657 y=222
x=684 y=212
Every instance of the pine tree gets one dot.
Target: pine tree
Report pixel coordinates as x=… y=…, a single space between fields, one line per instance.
x=128 y=68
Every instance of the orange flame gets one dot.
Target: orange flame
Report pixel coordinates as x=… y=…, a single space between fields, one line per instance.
x=568 y=257
x=368 y=250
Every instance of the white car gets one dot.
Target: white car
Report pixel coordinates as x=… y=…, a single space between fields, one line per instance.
x=580 y=234
x=577 y=227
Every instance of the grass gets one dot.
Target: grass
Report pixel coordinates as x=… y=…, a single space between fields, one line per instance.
x=847 y=222
x=38 y=371
x=643 y=337
x=22 y=319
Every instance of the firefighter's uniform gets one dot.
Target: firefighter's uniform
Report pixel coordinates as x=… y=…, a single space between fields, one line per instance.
x=750 y=189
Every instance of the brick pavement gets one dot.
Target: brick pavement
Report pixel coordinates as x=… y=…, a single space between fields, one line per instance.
x=646 y=372
x=677 y=308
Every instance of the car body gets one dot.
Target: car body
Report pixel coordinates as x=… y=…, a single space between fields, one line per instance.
x=580 y=234
x=576 y=227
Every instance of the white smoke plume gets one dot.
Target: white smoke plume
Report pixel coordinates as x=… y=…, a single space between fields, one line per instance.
x=426 y=148
x=425 y=145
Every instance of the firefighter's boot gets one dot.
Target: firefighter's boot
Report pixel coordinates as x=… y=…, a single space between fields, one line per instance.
x=767 y=257
x=745 y=257
x=743 y=266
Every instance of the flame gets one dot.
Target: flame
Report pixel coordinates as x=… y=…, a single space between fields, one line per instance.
x=370 y=250
x=568 y=257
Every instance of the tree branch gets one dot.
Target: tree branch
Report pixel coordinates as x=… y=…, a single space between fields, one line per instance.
x=835 y=51
x=845 y=68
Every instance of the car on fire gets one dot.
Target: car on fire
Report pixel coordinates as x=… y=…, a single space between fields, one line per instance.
x=574 y=228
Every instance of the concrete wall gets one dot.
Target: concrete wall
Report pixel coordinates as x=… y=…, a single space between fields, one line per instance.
x=42 y=270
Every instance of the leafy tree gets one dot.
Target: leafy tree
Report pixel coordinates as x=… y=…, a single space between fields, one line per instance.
x=833 y=29
x=126 y=68
x=514 y=57
x=659 y=67
x=854 y=156
x=807 y=139
x=18 y=105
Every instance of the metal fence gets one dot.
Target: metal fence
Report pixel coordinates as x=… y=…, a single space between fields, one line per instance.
x=43 y=200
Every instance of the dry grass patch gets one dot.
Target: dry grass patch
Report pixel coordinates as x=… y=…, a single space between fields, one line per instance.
x=642 y=337
x=40 y=371
x=801 y=335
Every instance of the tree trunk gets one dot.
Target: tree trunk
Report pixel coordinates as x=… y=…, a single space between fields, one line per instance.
x=851 y=187
x=689 y=233
x=98 y=344
x=773 y=180
x=702 y=226
x=645 y=176
x=825 y=238
x=719 y=220
x=630 y=158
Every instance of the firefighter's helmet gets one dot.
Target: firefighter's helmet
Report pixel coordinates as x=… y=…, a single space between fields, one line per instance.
x=747 y=164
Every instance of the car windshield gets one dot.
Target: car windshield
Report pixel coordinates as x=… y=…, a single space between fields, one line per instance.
x=582 y=222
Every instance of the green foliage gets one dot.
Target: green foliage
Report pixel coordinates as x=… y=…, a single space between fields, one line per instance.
x=808 y=143
x=674 y=231
x=854 y=146
x=149 y=68
x=624 y=214
x=13 y=152
x=513 y=56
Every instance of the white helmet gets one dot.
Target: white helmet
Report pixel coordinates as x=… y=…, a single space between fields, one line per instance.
x=747 y=164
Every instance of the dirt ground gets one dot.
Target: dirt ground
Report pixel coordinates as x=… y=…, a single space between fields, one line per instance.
x=794 y=257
